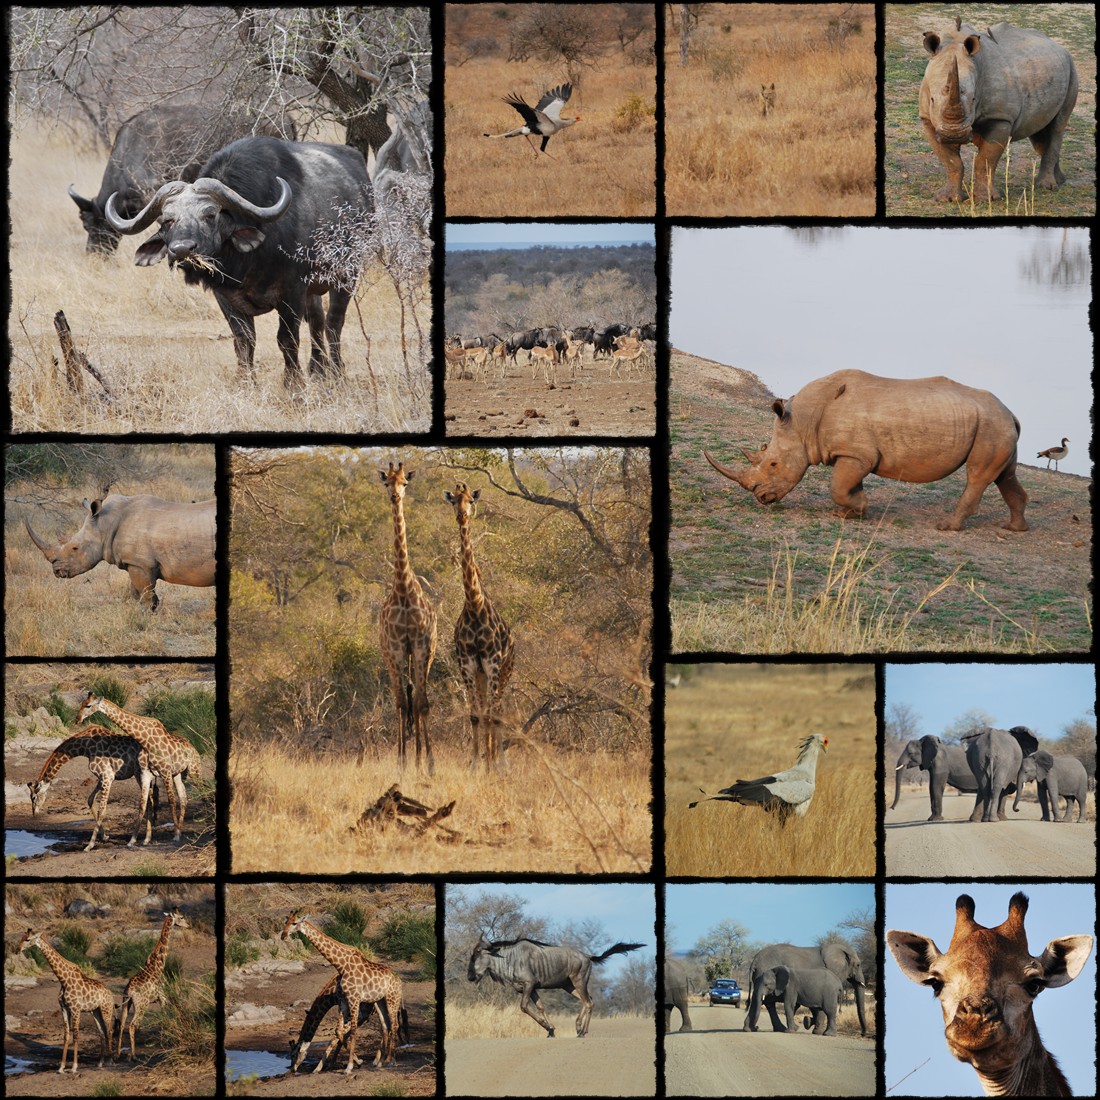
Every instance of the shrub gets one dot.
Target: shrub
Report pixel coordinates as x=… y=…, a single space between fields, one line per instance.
x=189 y=714
x=124 y=956
x=409 y=936
x=240 y=951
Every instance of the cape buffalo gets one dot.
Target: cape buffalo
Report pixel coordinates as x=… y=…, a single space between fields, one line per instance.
x=250 y=229
x=154 y=147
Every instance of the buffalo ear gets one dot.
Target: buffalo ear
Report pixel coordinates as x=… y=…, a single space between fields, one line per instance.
x=150 y=252
x=247 y=239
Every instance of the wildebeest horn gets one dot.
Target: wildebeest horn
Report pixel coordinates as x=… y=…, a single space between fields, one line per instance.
x=40 y=543
x=144 y=217
x=727 y=471
x=83 y=203
x=240 y=205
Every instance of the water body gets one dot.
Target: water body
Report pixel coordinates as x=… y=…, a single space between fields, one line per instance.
x=12 y=1066
x=255 y=1063
x=23 y=843
x=999 y=308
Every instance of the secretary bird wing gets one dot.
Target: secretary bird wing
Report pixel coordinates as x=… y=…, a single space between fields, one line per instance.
x=530 y=115
x=553 y=101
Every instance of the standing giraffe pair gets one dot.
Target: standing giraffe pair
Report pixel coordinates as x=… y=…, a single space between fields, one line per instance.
x=359 y=981
x=483 y=642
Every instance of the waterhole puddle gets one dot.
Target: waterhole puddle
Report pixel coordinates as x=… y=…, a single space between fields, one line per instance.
x=254 y=1063
x=23 y=843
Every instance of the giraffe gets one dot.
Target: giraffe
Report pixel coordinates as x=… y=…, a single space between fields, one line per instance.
x=147 y=985
x=408 y=630
x=360 y=980
x=171 y=757
x=483 y=641
x=110 y=756
x=78 y=994
x=323 y=1003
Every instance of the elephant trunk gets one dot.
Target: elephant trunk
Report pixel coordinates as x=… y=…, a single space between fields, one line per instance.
x=1019 y=791
x=897 y=784
x=858 y=987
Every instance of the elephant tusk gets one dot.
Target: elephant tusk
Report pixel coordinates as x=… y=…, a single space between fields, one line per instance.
x=899 y=767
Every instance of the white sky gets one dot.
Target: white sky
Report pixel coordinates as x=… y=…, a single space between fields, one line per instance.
x=546 y=233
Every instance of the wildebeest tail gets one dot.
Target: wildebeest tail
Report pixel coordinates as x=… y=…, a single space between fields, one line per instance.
x=618 y=949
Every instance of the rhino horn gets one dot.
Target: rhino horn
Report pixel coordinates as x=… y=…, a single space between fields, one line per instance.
x=740 y=476
x=42 y=545
x=953 y=82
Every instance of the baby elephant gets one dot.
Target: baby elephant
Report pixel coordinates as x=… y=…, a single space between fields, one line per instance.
x=817 y=990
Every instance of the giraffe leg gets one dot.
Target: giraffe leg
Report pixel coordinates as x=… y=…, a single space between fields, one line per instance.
x=180 y=809
x=76 y=1038
x=420 y=717
x=353 y=1028
x=397 y=690
x=122 y=1025
x=104 y=1035
x=100 y=806
x=146 y=780
x=67 y=1020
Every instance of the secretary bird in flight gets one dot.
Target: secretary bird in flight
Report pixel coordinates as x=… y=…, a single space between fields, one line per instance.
x=545 y=118
x=784 y=793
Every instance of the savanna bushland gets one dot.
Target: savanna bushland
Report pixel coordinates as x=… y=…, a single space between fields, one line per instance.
x=796 y=577
x=913 y=173
x=157 y=353
x=727 y=722
x=41 y=703
x=602 y=166
x=561 y=541
x=479 y=1010
x=93 y=614
x=108 y=930
x=813 y=152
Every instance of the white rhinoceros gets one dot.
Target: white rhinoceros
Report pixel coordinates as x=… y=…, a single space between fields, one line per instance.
x=919 y=430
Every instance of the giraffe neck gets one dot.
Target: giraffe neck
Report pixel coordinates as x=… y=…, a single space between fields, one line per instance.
x=68 y=749
x=154 y=965
x=339 y=954
x=66 y=971
x=471 y=578
x=131 y=723
x=403 y=580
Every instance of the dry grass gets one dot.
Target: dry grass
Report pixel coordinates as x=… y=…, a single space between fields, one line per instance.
x=93 y=615
x=488 y=1021
x=545 y=812
x=739 y=722
x=815 y=152
x=164 y=347
x=603 y=166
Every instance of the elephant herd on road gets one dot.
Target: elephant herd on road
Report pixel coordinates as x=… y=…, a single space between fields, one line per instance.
x=993 y=764
x=796 y=977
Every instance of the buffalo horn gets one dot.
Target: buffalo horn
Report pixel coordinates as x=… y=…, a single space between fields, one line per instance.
x=144 y=217
x=240 y=205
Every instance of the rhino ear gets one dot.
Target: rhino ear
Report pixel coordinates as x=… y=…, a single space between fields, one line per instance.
x=93 y=506
x=779 y=407
x=840 y=391
x=931 y=42
x=973 y=43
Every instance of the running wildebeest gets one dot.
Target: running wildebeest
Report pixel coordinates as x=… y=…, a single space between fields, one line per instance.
x=528 y=966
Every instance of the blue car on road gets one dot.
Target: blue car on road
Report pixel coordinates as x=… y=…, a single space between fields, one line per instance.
x=725 y=991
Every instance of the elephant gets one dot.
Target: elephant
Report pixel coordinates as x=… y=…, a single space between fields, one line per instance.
x=995 y=757
x=1056 y=776
x=676 y=994
x=817 y=990
x=944 y=763
x=838 y=958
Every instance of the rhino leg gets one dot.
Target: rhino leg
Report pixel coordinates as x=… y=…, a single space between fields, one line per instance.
x=1048 y=141
x=1014 y=497
x=950 y=157
x=143 y=586
x=991 y=144
x=846 y=487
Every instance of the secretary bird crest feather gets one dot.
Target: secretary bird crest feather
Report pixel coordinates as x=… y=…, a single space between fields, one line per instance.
x=784 y=793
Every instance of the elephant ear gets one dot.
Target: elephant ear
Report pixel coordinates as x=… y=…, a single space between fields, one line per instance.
x=1027 y=740
x=840 y=959
x=1043 y=761
x=929 y=746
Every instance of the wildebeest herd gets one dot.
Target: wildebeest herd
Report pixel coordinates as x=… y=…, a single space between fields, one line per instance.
x=620 y=344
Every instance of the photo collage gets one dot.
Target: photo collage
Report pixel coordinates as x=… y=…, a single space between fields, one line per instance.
x=322 y=779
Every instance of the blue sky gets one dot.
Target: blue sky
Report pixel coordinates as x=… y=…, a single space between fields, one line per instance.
x=772 y=912
x=914 y=1022
x=627 y=911
x=546 y=233
x=1045 y=698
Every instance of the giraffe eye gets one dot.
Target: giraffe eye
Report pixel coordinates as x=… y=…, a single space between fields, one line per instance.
x=935 y=984
x=1033 y=987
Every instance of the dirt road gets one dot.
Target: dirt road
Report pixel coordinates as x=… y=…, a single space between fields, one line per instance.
x=719 y=1059
x=615 y=1059
x=1024 y=845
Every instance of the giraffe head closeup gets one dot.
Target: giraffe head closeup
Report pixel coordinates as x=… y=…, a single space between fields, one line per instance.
x=178 y=919
x=463 y=501
x=31 y=938
x=91 y=704
x=395 y=479
x=39 y=789
x=293 y=924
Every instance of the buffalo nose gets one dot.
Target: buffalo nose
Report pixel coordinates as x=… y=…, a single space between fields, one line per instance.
x=178 y=249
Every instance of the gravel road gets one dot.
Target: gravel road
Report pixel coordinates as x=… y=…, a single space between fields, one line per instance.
x=1023 y=845
x=719 y=1059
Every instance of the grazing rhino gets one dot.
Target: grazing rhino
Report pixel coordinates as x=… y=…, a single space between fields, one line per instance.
x=150 y=538
x=986 y=88
x=918 y=430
